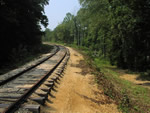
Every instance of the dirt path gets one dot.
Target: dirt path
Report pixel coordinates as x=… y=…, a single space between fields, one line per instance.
x=77 y=93
x=134 y=79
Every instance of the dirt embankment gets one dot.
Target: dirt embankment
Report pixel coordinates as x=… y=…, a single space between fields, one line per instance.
x=77 y=92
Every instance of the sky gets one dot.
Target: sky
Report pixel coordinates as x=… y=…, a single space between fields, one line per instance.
x=57 y=9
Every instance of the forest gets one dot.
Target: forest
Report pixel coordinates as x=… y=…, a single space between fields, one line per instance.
x=117 y=30
x=114 y=33
x=20 y=28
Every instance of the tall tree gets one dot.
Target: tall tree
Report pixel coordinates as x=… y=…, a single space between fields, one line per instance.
x=115 y=29
x=20 y=22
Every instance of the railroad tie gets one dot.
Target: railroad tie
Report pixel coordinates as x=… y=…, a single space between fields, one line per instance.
x=9 y=97
x=4 y=105
x=42 y=94
x=32 y=108
x=55 y=79
x=49 y=84
x=57 y=73
x=45 y=89
x=40 y=100
x=50 y=81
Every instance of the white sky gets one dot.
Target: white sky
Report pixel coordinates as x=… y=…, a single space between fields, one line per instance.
x=57 y=9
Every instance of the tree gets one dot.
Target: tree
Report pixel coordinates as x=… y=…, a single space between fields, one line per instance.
x=20 y=22
x=114 y=29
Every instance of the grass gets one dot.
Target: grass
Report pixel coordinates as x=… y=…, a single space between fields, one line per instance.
x=19 y=59
x=131 y=97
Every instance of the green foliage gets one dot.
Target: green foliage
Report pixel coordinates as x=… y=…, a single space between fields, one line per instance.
x=115 y=29
x=20 y=22
x=145 y=75
x=48 y=35
x=130 y=97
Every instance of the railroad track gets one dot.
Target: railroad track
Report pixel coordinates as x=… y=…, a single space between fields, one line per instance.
x=27 y=91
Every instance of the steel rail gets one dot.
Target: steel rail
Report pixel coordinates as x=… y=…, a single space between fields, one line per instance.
x=14 y=106
x=28 y=69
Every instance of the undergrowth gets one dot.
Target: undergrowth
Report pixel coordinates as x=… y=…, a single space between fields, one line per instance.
x=131 y=98
x=19 y=58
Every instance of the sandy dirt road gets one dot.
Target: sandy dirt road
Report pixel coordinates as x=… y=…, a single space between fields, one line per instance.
x=78 y=93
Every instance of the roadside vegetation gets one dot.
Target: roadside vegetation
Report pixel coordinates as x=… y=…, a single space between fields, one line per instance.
x=115 y=34
x=112 y=33
x=20 y=25
x=19 y=58
x=21 y=33
x=130 y=97
x=118 y=30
